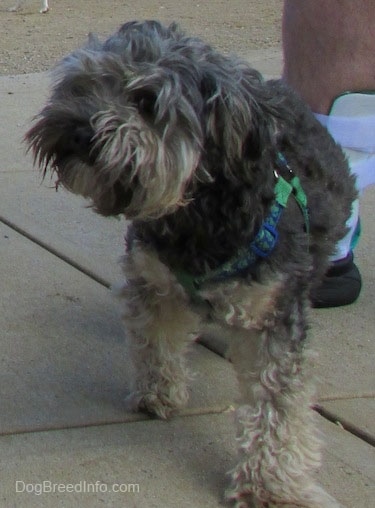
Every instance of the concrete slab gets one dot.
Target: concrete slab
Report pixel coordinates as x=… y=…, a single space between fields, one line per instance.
x=182 y=462
x=348 y=471
x=61 y=222
x=357 y=412
x=21 y=97
x=178 y=463
x=62 y=349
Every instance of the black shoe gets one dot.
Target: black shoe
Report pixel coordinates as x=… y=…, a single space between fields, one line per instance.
x=340 y=286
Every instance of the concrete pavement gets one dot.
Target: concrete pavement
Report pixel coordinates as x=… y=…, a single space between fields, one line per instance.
x=64 y=374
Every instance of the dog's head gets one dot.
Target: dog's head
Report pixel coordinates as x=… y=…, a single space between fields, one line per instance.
x=130 y=121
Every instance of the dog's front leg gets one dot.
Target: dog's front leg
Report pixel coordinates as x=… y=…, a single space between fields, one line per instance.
x=278 y=444
x=159 y=326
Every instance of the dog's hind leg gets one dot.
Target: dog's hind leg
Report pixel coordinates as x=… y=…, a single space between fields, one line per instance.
x=159 y=326
x=278 y=444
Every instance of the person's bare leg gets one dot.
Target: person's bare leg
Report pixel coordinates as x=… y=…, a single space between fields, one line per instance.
x=329 y=48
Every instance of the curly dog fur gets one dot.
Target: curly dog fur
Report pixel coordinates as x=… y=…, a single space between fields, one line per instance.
x=182 y=140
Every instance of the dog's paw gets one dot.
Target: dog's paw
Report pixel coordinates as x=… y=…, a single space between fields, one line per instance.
x=44 y=10
x=155 y=403
x=238 y=500
x=247 y=500
x=242 y=495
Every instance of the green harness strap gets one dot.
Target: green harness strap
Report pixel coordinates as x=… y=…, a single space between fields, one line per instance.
x=263 y=243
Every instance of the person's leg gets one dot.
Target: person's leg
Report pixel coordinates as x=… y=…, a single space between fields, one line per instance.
x=329 y=49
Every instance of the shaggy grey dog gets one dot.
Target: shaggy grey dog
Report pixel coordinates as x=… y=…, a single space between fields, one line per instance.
x=237 y=197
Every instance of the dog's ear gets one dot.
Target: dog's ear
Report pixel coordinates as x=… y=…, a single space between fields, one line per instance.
x=238 y=119
x=93 y=42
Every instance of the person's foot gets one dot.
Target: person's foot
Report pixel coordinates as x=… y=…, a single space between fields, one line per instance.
x=340 y=286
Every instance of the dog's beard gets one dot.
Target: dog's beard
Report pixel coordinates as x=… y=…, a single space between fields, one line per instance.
x=148 y=168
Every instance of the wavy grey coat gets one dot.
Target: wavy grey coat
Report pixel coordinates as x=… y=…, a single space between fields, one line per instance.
x=183 y=141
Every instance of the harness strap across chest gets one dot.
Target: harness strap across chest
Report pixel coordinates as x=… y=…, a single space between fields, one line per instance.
x=265 y=240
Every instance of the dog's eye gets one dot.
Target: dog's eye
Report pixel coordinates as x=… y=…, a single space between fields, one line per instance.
x=78 y=90
x=145 y=103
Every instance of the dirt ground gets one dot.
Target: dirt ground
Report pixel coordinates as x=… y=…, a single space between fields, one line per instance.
x=32 y=42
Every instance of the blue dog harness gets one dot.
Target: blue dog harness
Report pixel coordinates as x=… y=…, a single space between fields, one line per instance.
x=265 y=240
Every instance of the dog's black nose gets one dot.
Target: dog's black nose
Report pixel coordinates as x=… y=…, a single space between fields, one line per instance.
x=81 y=140
x=80 y=143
